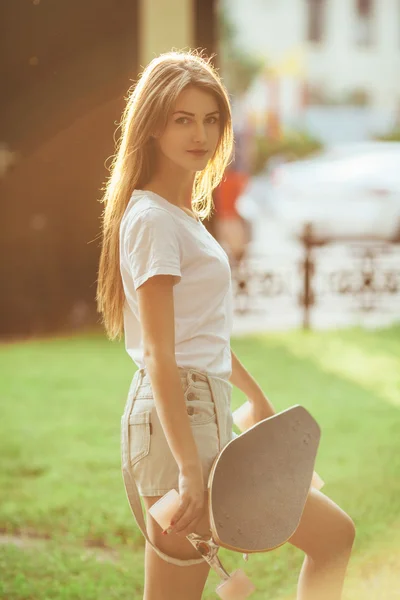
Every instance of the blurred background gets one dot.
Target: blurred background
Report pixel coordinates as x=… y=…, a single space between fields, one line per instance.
x=309 y=214
x=316 y=102
x=310 y=211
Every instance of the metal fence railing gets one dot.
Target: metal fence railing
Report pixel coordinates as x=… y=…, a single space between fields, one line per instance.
x=359 y=278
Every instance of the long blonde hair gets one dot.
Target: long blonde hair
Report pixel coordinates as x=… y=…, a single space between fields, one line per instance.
x=149 y=103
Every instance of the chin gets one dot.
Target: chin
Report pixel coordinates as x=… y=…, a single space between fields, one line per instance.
x=191 y=165
x=198 y=165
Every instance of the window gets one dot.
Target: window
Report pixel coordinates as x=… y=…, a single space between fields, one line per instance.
x=315 y=20
x=364 y=22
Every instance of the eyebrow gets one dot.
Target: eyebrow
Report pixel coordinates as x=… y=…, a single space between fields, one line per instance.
x=193 y=115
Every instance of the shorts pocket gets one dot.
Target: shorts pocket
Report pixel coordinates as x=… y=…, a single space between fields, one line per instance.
x=139 y=436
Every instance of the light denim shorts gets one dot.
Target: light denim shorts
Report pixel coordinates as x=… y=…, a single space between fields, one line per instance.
x=144 y=447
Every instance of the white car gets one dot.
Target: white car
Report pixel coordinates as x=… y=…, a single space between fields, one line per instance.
x=347 y=192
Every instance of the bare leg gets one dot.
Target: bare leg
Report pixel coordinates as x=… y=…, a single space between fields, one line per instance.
x=326 y=534
x=165 y=581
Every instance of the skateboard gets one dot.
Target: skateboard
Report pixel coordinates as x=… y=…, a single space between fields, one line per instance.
x=243 y=419
x=257 y=488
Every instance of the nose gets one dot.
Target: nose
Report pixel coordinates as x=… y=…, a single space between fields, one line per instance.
x=199 y=134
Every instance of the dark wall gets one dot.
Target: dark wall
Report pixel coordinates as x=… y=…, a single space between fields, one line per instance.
x=205 y=28
x=205 y=32
x=65 y=67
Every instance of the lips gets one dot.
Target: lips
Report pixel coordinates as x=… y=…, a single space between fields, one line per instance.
x=198 y=152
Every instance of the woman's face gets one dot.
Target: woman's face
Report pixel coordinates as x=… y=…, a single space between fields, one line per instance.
x=191 y=135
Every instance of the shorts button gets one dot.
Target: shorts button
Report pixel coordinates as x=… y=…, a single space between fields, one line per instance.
x=191 y=396
x=190 y=410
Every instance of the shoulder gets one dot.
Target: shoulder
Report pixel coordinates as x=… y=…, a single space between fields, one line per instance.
x=143 y=212
x=147 y=228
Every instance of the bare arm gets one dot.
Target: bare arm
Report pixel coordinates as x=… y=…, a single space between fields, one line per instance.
x=156 y=309
x=261 y=407
x=242 y=379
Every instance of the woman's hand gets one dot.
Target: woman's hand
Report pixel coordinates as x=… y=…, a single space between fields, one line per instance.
x=192 y=499
x=252 y=412
x=259 y=409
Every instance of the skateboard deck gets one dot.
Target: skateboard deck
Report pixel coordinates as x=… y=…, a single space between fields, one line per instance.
x=259 y=483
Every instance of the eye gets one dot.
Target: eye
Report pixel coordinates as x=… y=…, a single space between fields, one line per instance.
x=212 y=120
x=182 y=120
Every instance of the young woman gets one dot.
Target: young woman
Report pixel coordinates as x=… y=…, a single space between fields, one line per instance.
x=166 y=284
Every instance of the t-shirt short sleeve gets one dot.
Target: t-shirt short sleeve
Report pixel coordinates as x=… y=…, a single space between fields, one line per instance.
x=153 y=246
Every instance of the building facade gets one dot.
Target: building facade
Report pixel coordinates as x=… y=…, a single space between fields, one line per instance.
x=350 y=48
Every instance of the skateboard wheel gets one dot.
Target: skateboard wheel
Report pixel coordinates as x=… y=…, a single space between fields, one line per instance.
x=164 y=509
x=237 y=587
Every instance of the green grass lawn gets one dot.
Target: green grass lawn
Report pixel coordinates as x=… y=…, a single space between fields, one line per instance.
x=67 y=530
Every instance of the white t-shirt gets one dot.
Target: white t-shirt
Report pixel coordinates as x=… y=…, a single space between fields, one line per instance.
x=159 y=238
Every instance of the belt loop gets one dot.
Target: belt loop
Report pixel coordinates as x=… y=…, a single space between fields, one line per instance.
x=189 y=376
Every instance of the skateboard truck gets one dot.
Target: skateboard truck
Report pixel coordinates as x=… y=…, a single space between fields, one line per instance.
x=233 y=587
x=237 y=584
